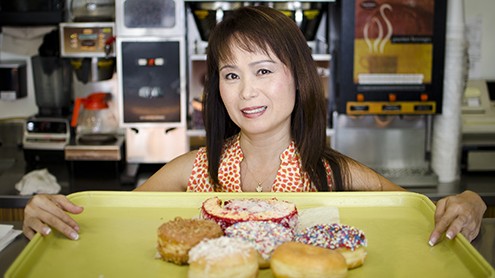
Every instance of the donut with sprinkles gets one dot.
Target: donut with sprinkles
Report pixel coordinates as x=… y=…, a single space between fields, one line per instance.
x=348 y=240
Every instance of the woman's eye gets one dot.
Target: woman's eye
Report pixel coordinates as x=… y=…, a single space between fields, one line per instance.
x=231 y=76
x=263 y=71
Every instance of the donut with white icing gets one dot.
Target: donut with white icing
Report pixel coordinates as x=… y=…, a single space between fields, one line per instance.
x=263 y=235
x=223 y=257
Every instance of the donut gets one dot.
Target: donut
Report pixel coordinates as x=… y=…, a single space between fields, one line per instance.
x=178 y=236
x=263 y=236
x=347 y=240
x=223 y=257
x=295 y=259
x=249 y=209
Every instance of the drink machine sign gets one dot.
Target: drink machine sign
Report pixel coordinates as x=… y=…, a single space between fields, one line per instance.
x=151 y=82
x=397 y=58
x=393 y=43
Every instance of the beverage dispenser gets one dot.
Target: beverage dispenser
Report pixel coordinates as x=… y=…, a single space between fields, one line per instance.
x=151 y=71
x=389 y=84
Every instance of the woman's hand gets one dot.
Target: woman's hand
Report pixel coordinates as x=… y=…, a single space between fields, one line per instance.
x=44 y=211
x=458 y=214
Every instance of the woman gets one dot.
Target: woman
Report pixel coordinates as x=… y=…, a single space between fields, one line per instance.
x=264 y=112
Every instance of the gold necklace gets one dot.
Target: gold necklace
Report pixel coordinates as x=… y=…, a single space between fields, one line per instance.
x=259 y=187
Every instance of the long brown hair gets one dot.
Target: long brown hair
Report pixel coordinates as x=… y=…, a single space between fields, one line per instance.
x=264 y=29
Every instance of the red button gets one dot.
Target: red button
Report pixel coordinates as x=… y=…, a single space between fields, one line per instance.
x=392 y=97
x=360 y=97
x=423 y=97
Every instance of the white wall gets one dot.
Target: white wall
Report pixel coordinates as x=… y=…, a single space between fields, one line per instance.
x=483 y=10
x=23 y=107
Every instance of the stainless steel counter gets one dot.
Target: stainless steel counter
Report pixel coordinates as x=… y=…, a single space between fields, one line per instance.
x=484 y=243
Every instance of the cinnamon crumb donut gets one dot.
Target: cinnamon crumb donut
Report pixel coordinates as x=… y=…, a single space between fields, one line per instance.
x=264 y=236
x=347 y=240
x=178 y=236
x=295 y=260
x=223 y=257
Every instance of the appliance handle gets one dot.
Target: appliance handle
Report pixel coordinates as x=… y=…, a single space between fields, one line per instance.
x=75 y=113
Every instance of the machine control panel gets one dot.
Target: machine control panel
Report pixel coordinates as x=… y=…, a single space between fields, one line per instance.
x=87 y=39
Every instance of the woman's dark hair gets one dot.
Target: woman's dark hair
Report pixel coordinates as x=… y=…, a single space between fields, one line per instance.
x=264 y=29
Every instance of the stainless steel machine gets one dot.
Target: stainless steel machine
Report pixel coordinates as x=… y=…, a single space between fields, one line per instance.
x=87 y=41
x=152 y=78
x=388 y=85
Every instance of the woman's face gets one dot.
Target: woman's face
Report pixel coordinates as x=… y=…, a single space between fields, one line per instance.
x=258 y=91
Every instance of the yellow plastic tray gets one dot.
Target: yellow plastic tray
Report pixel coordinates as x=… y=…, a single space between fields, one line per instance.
x=118 y=236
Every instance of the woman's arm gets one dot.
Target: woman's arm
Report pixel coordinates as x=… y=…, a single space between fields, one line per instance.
x=173 y=176
x=455 y=214
x=44 y=212
x=363 y=178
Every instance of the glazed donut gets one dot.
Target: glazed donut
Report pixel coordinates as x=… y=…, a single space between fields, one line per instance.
x=263 y=236
x=347 y=240
x=250 y=209
x=223 y=257
x=177 y=237
x=295 y=259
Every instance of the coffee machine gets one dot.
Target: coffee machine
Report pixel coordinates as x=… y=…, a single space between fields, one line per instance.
x=388 y=85
x=47 y=133
x=87 y=42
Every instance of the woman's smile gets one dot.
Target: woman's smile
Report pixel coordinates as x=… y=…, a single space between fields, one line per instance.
x=255 y=111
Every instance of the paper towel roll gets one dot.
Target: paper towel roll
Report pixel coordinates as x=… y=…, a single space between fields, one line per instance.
x=446 y=141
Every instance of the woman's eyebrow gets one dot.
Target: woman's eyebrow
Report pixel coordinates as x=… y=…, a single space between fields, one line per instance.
x=226 y=67
x=262 y=61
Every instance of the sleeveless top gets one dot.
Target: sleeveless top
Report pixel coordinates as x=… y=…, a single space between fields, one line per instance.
x=290 y=177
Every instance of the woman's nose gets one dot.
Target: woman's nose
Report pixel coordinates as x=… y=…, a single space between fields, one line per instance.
x=247 y=90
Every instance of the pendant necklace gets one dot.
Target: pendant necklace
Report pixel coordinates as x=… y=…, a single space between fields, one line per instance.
x=259 y=187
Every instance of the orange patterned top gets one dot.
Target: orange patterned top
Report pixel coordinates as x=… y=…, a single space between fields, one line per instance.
x=290 y=177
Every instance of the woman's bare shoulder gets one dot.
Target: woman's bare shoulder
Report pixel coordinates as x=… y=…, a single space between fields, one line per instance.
x=173 y=176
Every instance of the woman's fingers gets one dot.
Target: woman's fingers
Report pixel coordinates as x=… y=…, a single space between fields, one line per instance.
x=45 y=212
x=458 y=214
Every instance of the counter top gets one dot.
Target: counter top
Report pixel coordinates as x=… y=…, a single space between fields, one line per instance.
x=484 y=243
x=13 y=167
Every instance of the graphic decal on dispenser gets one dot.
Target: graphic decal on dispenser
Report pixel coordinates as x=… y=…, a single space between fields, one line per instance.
x=393 y=61
x=393 y=42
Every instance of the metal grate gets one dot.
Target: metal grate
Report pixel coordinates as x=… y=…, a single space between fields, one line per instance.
x=410 y=177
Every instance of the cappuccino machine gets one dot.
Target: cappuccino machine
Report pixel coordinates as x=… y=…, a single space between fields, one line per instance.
x=388 y=85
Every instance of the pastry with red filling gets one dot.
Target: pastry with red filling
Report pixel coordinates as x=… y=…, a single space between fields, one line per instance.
x=232 y=211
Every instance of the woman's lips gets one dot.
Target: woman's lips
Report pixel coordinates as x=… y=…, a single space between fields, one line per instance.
x=251 y=111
